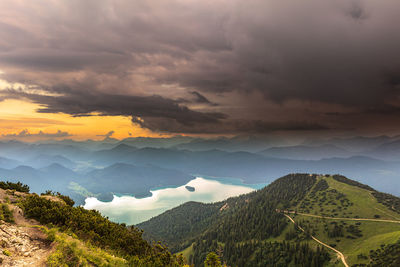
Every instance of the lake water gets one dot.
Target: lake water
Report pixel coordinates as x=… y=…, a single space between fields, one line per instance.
x=131 y=210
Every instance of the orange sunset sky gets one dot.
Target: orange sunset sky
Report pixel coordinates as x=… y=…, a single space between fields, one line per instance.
x=17 y=116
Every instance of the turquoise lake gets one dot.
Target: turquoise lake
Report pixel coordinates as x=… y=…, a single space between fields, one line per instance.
x=131 y=210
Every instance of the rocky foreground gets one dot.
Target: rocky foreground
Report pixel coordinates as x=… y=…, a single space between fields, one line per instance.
x=22 y=243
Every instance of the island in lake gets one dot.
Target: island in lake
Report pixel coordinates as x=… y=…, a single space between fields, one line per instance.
x=190 y=188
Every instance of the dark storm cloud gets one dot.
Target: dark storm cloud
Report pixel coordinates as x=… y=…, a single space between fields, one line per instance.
x=228 y=126
x=387 y=110
x=384 y=110
x=87 y=103
x=357 y=10
x=200 y=98
x=196 y=97
x=59 y=60
x=144 y=58
x=393 y=79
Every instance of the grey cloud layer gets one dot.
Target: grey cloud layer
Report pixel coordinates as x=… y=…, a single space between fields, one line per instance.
x=87 y=103
x=157 y=60
x=26 y=134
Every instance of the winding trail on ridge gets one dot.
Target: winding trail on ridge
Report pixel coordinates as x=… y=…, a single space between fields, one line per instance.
x=340 y=254
x=339 y=218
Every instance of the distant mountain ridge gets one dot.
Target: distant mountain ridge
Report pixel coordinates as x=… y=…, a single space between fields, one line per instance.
x=306 y=152
x=41 y=161
x=200 y=156
x=357 y=144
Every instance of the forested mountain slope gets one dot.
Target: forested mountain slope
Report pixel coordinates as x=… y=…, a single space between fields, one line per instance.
x=254 y=230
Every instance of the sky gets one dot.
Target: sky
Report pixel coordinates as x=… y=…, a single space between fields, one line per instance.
x=94 y=69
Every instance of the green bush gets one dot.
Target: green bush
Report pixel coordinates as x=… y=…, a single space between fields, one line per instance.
x=69 y=201
x=20 y=187
x=91 y=226
x=6 y=213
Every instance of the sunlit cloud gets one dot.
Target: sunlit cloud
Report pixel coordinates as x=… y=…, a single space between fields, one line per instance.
x=25 y=134
x=19 y=115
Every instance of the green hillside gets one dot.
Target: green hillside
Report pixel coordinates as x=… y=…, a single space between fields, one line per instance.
x=48 y=230
x=343 y=206
x=255 y=230
x=188 y=220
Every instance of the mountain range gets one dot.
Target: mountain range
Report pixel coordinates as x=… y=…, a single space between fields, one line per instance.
x=158 y=162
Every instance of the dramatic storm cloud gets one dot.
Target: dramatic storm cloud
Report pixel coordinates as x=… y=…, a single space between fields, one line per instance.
x=208 y=66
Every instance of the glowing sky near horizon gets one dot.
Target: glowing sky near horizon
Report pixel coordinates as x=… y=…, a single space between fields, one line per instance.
x=19 y=116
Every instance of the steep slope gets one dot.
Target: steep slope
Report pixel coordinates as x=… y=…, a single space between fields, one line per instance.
x=181 y=223
x=343 y=216
x=22 y=244
x=48 y=231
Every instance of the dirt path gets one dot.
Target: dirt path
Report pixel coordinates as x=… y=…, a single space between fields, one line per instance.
x=24 y=244
x=388 y=214
x=339 y=218
x=340 y=254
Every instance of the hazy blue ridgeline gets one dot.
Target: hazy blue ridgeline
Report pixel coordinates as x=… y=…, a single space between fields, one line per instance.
x=134 y=166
